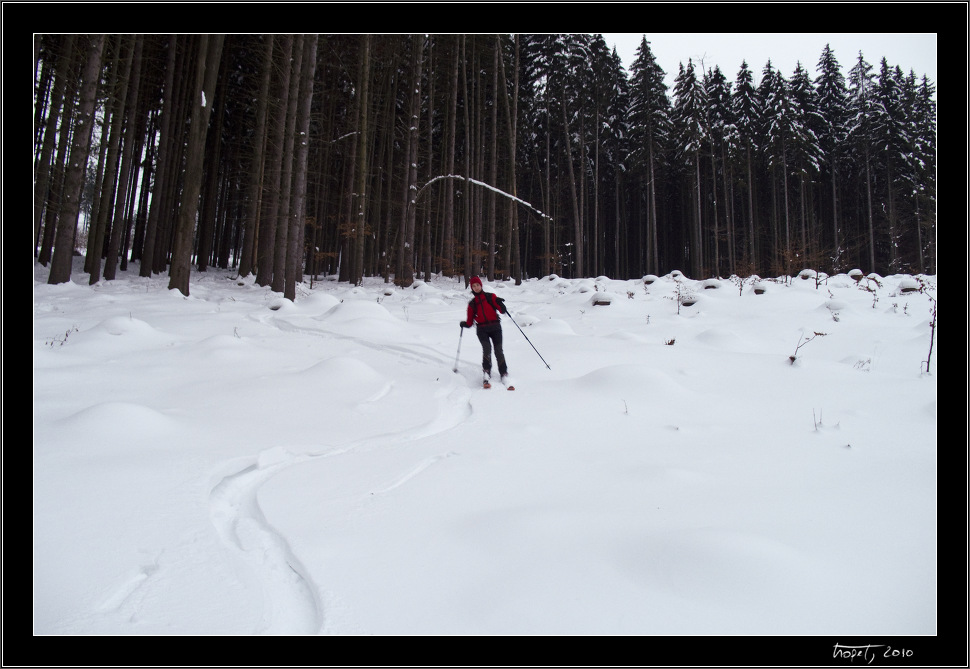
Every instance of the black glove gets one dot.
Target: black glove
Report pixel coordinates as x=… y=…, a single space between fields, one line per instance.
x=501 y=305
x=464 y=324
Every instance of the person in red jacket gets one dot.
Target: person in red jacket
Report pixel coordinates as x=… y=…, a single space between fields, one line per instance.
x=483 y=310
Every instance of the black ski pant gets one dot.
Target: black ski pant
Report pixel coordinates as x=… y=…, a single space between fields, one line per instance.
x=490 y=335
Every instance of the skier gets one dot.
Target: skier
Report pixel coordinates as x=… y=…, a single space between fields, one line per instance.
x=483 y=311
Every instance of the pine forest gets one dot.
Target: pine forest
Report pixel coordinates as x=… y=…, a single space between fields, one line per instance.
x=291 y=157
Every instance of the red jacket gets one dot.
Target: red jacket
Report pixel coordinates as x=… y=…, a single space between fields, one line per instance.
x=481 y=311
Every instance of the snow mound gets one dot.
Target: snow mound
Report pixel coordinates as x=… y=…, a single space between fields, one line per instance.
x=281 y=304
x=119 y=420
x=551 y=326
x=223 y=348
x=630 y=379
x=583 y=286
x=353 y=310
x=353 y=380
x=423 y=288
x=122 y=333
x=836 y=305
x=908 y=284
x=318 y=302
x=720 y=338
x=125 y=325
x=359 y=318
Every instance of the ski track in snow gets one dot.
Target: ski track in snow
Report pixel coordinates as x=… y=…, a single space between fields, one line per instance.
x=292 y=603
x=406 y=352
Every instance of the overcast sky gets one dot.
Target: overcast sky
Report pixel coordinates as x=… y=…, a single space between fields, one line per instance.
x=916 y=51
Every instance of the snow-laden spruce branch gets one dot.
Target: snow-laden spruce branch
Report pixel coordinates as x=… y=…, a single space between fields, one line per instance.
x=478 y=183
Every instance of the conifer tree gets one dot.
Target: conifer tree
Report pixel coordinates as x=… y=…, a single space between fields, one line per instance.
x=805 y=156
x=649 y=128
x=747 y=118
x=860 y=139
x=923 y=120
x=615 y=128
x=891 y=144
x=832 y=96
x=690 y=134
x=779 y=130
x=720 y=122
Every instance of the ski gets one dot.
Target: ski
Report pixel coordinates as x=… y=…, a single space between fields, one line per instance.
x=487 y=382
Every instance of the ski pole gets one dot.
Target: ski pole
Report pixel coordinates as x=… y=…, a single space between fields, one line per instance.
x=527 y=339
x=455 y=370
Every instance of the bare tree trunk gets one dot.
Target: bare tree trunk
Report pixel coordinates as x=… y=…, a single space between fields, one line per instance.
x=751 y=237
x=107 y=162
x=714 y=227
x=55 y=196
x=136 y=194
x=360 y=215
x=493 y=171
x=516 y=264
x=271 y=198
x=42 y=181
x=511 y=251
x=209 y=213
x=654 y=258
x=697 y=253
x=448 y=265
x=476 y=131
x=294 y=253
x=74 y=177
x=127 y=168
x=389 y=258
x=286 y=176
x=890 y=210
x=427 y=254
x=207 y=70
x=466 y=192
x=93 y=218
x=872 y=232
x=547 y=251
x=163 y=175
x=919 y=235
x=258 y=169
x=405 y=261
x=137 y=240
x=728 y=207
x=347 y=228
x=596 y=198
x=577 y=220
x=784 y=181
x=836 y=237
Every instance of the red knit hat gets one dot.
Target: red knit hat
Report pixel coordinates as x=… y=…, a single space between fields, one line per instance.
x=474 y=280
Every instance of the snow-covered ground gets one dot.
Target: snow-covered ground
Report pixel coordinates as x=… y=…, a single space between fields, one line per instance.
x=235 y=463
